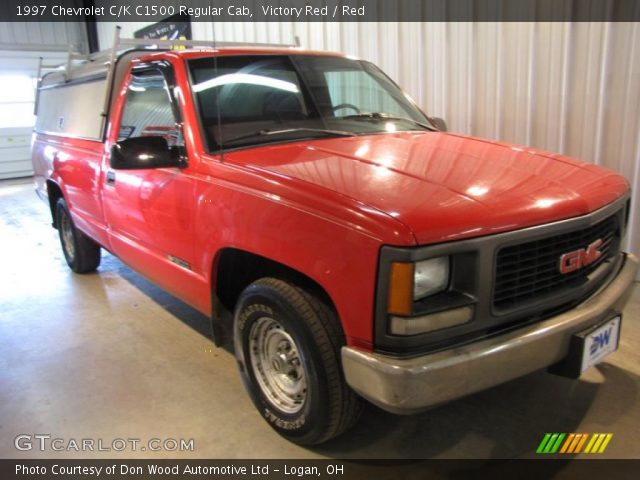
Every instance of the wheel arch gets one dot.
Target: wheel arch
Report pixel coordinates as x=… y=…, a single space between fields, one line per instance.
x=234 y=269
x=54 y=193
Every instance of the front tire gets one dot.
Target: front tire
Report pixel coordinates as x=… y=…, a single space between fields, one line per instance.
x=81 y=253
x=287 y=342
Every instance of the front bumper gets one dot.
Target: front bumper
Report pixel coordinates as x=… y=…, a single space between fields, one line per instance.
x=406 y=386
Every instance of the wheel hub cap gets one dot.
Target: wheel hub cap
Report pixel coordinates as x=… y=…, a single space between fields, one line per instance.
x=67 y=235
x=276 y=363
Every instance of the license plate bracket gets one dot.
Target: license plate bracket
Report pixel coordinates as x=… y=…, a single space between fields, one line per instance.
x=589 y=347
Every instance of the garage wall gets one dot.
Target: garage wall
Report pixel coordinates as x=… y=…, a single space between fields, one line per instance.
x=572 y=88
x=21 y=46
x=15 y=156
x=41 y=36
x=15 y=141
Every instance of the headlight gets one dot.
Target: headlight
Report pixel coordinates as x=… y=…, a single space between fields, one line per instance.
x=430 y=277
x=409 y=282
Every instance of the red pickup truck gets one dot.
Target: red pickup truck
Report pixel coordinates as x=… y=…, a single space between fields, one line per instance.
x=344 y=245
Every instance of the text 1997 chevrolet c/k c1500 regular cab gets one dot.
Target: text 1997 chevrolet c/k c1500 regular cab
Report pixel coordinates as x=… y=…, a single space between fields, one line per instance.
x=347 y=247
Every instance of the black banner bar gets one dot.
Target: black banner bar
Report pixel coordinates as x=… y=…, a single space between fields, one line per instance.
x=312 y=469
x=323 y=10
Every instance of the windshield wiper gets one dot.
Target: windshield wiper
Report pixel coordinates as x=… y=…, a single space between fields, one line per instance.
x=268 y=132
x=387 y=116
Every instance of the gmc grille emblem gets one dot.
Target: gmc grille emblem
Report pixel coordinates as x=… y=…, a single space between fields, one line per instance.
x=572 y=261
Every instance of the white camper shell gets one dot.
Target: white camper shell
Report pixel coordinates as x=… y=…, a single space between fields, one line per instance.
x=75 y=100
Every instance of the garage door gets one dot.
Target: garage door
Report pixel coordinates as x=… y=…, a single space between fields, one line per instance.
x=16 y=123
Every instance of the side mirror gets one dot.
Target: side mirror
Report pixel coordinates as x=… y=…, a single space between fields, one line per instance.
x=439 y=123
x=144 y=152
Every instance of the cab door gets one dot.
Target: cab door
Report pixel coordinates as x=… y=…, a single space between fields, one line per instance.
x=150 y=212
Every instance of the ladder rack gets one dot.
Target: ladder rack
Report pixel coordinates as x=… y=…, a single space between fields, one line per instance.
x=104 y=60
x=104 y=63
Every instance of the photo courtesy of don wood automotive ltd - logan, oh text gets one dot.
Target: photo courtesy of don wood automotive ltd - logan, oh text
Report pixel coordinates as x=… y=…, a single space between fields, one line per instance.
x=346 y=239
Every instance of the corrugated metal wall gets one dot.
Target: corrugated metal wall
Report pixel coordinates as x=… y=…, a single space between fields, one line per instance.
x=42 y=36
x=572 y=88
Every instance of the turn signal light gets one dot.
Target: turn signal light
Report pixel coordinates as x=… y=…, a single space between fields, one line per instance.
x=400 y=298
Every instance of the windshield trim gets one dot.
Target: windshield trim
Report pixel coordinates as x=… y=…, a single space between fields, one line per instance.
x=285 y=141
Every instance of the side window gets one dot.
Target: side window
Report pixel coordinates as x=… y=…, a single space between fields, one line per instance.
x=148 y=110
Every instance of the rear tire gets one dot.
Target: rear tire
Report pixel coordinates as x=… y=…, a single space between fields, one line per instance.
x=287 y=342
x=81 y=253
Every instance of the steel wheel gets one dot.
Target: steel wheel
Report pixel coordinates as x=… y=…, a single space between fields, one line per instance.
x=276 y=361
x=66 y=230
x=81 y=252
x=287 y=343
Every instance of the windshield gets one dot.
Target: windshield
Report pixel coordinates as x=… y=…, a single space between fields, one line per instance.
x=255 y=99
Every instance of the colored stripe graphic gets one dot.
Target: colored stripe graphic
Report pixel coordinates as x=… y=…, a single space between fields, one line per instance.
x=543 y=443
x=578 y=439
x=607 y=439
x=567 y=443
x=552 y=440
x=598 y=442
x=550 y=443
x=572 y=443
x=596 y=446
x=556 y=445
x=582 y=440
x=590 y=444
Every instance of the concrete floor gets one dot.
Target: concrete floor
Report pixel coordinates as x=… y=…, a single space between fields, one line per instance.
x=108 y=355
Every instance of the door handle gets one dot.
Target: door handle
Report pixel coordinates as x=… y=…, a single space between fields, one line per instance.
x=111 y=177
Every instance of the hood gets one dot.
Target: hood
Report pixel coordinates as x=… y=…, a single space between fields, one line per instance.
x=443 y=186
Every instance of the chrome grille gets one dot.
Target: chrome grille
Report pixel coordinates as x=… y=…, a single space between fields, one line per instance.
x=530 y=271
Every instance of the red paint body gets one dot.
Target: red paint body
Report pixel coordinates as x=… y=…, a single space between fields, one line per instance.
x=322 y=207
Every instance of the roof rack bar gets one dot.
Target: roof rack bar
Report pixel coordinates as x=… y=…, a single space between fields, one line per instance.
x=152 y=42
x=108 y=57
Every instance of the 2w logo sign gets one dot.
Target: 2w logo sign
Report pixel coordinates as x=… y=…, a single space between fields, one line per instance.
x=600 y=340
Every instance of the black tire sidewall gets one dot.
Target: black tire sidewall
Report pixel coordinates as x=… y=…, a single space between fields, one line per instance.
x=86 y=252
x=307 y=424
